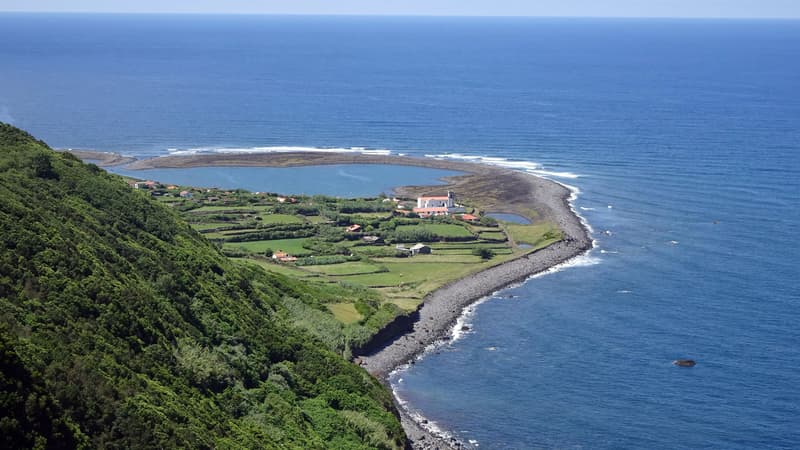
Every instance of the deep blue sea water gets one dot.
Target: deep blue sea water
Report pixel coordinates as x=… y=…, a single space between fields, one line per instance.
x=684 y=135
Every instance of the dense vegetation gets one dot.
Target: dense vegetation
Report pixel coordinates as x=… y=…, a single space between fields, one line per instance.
x=121 y=327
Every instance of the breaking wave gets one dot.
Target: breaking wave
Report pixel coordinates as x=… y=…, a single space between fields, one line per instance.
x=525 y=166
x=276 y=149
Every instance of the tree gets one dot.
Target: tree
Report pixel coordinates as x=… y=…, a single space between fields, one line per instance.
x=483 y=252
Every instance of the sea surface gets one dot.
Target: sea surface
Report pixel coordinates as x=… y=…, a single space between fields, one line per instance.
x=682 y=137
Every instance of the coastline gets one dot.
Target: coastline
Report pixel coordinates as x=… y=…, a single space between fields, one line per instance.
x=441 y=309
x=102 y=159
x=531 y=196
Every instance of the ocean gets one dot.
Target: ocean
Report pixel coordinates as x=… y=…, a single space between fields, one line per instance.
x=682 y=137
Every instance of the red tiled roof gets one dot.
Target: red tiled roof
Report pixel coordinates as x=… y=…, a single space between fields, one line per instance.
x=440 y=197
x=469 y=217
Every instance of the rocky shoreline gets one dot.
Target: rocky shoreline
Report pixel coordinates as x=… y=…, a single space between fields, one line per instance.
x=495 y=188
x=441 y=308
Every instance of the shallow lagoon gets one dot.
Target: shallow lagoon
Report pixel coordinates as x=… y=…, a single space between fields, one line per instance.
x=342 y=180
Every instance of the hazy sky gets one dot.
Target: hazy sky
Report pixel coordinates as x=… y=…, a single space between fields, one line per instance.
x=599 y=8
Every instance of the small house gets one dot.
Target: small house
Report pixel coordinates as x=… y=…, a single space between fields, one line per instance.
x=372 y=240
x=353 y=228
x=279 y=254
x=420 y=249
x=469 y=218
x=186 y=194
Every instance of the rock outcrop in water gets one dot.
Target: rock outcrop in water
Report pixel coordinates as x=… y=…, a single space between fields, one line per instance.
x=684 y=362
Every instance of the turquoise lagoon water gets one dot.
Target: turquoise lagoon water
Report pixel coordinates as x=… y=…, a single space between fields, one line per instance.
x=348 y=180
x=682 y=137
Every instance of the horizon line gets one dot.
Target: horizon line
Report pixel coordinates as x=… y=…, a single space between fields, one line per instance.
x=409 y=15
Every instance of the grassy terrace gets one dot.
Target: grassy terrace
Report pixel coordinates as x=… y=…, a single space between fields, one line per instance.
x=318 y=234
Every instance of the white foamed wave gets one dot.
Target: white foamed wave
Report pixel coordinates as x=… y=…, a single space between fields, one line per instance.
x=423 y=422
x=525 y=166
x=583 y=260
x=275 y=149
x=584 y=208
x=573 y=195
x=465 y=320
x=457 y=332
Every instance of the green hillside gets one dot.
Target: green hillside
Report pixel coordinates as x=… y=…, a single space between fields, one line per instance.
x=121 y=327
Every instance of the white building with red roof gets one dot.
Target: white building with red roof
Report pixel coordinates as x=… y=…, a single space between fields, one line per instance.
x=437 y=205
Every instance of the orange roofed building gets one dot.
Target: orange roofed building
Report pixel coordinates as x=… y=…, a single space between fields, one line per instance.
x=283 y=256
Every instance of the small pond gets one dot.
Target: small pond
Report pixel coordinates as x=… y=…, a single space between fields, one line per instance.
x=513 y=218
x=342 y=180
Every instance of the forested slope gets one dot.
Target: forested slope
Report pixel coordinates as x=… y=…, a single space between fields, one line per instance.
x=120 y=327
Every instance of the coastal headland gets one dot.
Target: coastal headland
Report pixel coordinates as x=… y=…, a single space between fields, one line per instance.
x=102 y=159
x=493 y=189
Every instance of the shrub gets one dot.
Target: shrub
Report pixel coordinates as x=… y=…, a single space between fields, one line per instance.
x=483 y=252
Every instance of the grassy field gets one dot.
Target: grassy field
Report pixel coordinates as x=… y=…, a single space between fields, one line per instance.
x=439 y=246
x=538 y=235
x=465 y=257
x=413 y=273
x=284 y=269
x=440 y=229
x=369 y=217
x=345 y=312
x=238 y=209
x=279 y=219
x=348 y=268
x=292 y=246
x=212 y=225
x=492 y=235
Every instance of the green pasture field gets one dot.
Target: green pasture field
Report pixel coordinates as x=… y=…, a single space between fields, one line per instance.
x=493 y=235
x=538 y=235
x=237 y=209
x=211 y=225
x=348 y=268
x=369 y=217
x=411 y=272
x=283 y=269
x=292 y=246
x=345 y=312
x=440 y=229
x=279 y=219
